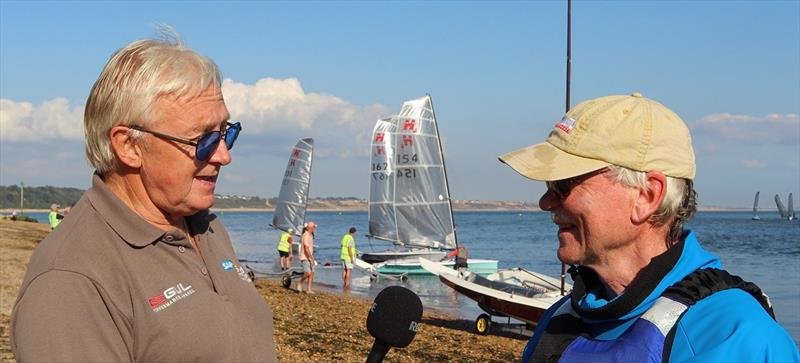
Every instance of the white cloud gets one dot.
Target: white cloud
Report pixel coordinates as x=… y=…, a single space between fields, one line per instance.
x=754 y=164
x=280 y=111
x=53 y=119
x=771 y=128
x=277 y=111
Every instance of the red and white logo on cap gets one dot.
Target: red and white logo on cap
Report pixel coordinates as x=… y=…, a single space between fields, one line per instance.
x=565 y=124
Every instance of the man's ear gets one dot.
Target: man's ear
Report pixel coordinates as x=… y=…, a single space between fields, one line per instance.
x=125 y=147
x=648 y=201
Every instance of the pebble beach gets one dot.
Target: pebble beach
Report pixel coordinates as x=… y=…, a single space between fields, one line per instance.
x=324 y=327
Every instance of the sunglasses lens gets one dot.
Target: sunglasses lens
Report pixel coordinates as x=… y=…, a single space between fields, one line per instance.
x=560 y=187
x=232 y=134
x=207 y=145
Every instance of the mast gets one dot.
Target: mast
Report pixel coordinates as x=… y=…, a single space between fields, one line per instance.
x=444 y=170
x=569 y=78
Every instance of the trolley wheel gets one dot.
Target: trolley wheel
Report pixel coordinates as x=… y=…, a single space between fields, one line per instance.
x=286 y=281
x=482 y=324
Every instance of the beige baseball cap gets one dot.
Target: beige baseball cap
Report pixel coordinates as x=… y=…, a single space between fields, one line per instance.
x=629 y=131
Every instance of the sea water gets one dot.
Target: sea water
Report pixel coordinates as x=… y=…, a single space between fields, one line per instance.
x=766 y=252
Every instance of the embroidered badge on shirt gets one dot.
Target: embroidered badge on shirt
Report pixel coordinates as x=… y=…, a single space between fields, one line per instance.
x=565 y=124
x=242 y=273
x=227 y=265
x=170 y=296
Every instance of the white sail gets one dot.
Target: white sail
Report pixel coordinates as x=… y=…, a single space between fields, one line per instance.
x=755 y=207
x=409 y=197
x=290 y=210
x=790 y=211
x=781 y=208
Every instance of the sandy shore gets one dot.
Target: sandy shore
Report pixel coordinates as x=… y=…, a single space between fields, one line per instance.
x=323 y=327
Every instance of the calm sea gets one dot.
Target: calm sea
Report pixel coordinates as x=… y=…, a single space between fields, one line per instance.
x=766 y=252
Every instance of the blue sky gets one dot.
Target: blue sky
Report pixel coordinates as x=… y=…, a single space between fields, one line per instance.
x=328 y=70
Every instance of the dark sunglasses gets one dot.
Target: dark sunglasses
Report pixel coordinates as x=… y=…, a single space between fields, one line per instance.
x=563 y=187
x=207 y=143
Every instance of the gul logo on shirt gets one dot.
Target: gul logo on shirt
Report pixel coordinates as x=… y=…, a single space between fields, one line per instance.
x=565 y=124
x=170 y=296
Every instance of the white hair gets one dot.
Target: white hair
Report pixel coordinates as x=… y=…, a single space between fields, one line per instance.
x=132 y=80
x=678 y=205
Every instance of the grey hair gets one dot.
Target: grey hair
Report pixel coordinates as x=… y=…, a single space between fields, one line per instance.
x=677 y=207
x=130 y=83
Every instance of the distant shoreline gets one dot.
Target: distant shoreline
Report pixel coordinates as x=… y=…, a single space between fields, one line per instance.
x=7 y=211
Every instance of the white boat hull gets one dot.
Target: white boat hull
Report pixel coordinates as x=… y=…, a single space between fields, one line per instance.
x=525 y=295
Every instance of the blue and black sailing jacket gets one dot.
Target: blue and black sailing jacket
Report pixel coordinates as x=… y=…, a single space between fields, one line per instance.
x=681 y=307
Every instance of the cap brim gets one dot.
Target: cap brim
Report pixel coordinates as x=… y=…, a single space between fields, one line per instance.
x=546 y=162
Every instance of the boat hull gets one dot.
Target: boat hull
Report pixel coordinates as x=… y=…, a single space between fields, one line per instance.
x=499 y=307
x=384 y=256
x=517 y=293
x=479 y=266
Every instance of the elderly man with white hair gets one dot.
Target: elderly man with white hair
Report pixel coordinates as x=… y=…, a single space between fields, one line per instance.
x=141 y=271
x=619 y=173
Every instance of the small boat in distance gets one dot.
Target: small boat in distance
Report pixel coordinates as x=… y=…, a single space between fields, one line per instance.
x=755 y=208
x=781 y=209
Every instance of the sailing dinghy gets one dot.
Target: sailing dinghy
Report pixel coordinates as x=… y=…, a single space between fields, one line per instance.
x=755 y=208
x=781 y=209
x=409 y=200
x=517 y=293
x=290 y=209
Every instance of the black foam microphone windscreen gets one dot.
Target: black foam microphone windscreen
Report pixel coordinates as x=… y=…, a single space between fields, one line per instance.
x=395 y=316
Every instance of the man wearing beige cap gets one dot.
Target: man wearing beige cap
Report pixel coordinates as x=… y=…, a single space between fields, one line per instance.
x=619 y=173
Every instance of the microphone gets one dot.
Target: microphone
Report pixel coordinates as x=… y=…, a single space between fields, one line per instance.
x=393 y=320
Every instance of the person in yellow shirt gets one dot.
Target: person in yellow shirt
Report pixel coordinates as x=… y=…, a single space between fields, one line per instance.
x=348 y=256
x=285 y=249
x=54 y=216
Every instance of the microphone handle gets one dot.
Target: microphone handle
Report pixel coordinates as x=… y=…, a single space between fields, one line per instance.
x=379 y=350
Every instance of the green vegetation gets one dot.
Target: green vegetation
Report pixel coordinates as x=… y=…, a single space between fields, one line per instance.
x=43 y=197
x=23 y=218
x=38 y=197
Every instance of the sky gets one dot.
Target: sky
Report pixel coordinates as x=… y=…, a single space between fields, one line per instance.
x=495 y=71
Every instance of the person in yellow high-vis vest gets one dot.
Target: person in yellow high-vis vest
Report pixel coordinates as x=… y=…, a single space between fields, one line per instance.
x=285 y=249
x=348 y=256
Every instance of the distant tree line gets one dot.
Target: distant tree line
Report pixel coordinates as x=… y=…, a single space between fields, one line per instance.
x=43 y=197
x=38 y=197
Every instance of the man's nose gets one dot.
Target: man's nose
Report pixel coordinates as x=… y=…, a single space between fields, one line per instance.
x=549 y=201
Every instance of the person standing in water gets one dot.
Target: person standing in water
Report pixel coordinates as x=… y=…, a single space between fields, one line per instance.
x=285 y=249
x=307 y=257
x=348 y=256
